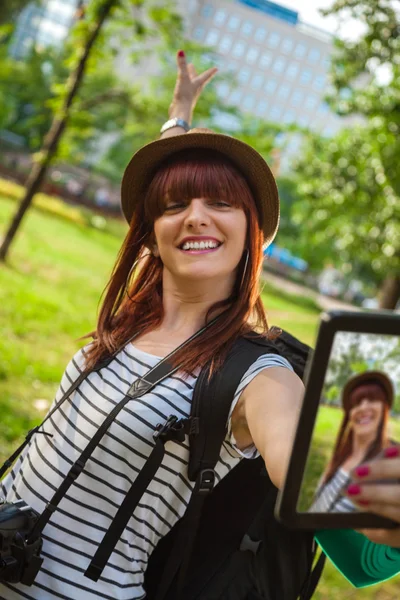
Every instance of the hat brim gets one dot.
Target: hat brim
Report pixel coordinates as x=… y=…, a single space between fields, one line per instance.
x=248 y=161
x=360 y=379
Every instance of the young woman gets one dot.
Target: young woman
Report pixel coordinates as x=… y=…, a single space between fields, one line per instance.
x=363 y=434
x=200 y=206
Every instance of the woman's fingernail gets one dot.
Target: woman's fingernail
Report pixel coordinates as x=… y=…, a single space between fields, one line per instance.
x=362 y=471
x=392 y=451
x=181 y=53
x=363 y=502
x=354 y=489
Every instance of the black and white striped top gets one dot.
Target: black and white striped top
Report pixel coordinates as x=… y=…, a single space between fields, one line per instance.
x=331 y=498
x=85 y=513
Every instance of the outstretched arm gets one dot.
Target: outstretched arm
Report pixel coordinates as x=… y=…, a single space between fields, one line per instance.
x=188 y=88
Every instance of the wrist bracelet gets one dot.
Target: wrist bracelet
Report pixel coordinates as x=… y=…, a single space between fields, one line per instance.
x=175 y=122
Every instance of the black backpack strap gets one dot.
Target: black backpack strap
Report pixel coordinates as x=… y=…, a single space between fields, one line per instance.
x=314 y=577
x=212 y=399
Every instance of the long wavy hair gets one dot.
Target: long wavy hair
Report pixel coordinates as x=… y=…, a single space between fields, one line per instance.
x=133 y=301
x=344 y=441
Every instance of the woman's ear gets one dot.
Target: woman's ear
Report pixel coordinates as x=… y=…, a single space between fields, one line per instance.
x=154 y=250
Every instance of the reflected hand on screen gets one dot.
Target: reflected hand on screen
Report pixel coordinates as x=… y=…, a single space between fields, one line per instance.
x=380 y=498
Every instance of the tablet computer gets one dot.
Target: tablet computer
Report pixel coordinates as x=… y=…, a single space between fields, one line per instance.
x=338 y=428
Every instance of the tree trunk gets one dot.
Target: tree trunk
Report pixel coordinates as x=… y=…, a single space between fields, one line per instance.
x=389 y=293
x=56 y=130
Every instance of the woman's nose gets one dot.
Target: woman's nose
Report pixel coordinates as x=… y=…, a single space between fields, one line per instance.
x=197 y=215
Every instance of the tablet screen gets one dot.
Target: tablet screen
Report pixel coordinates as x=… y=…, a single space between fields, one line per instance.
x=358 y=417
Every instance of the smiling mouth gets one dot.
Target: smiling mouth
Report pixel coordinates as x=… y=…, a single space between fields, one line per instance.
x=200 y=247
x=365 y=420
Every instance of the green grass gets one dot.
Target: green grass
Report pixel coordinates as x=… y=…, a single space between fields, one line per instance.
x=49 y=294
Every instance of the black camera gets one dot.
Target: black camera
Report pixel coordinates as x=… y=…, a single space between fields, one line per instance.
x=19 y=556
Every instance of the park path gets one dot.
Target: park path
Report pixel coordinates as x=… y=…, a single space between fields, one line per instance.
x=325 y=302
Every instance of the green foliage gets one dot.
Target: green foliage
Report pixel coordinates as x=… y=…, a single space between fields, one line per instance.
x=347 y=207
x=10 y=9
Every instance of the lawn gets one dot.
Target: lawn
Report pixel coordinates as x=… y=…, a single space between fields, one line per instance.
x=49 y=295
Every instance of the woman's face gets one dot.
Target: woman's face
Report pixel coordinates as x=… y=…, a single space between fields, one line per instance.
x=366 y=414
x=201 y=239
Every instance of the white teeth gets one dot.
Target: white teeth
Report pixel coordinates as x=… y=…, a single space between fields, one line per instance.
x=199 y=245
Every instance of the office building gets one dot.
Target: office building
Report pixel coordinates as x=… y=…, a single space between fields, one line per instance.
x=281 y=64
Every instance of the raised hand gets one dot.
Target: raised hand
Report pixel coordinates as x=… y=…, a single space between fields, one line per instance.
x=188 y=88
x=380 y=498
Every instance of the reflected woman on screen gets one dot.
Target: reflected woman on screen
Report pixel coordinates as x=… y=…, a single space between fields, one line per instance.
x=366 y=399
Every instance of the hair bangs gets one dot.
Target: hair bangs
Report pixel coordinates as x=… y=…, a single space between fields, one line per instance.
x=197 y=173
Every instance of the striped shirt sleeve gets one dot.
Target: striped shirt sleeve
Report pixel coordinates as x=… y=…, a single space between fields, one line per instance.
x=263 y=362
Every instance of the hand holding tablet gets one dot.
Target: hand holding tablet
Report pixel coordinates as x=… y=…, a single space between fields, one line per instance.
x=344 y=471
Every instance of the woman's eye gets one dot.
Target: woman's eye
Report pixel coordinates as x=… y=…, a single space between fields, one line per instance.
x=176 y=206
x=221 y=203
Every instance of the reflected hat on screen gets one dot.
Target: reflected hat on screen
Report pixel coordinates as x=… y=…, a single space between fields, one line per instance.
x=365 y=378
x=140 y=171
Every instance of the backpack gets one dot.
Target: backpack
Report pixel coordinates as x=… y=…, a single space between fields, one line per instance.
x=228 y=545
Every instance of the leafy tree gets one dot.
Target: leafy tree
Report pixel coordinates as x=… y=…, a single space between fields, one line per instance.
x=366 y=81
x=347 y=208
x=91 y=38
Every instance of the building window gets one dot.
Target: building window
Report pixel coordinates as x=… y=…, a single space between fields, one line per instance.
x=235 y=96
x=297 y=97
x=247 y=28
x=223 y=89
x=220 y=17
x=212 y=37
x=289 y=116
x=233 y=23
x=303 y=121
x=279 y=65
x=319 y=82
x=257 y=81
x=238 y=49
x=248 y=102
x=300 y=51
x=262 y=107
x=311 y=102
x=225 y=44
x=323 y=108
x=284 y=91
x=270 y=86
x=252 y=55
x=207 y=10
x=273 y=39
x=265 y=59
x=313 y=55
x=260 y=34
x=198 y=33
x=244 y=75
x=292 y=70
x=275 y=112
x=287 y=45
x=306 y=76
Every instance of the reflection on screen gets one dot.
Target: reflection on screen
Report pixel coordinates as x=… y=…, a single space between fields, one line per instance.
x=358 y=417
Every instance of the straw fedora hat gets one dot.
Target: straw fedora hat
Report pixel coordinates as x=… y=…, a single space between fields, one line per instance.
x=368 y=376
x=249 y=162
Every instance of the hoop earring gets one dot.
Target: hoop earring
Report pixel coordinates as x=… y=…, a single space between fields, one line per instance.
x=246 y=262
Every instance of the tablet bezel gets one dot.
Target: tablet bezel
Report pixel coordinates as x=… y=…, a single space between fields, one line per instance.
x=383 y=322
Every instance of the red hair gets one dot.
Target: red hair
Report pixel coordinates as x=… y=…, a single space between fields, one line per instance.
x=344 y=440
x=133 y=300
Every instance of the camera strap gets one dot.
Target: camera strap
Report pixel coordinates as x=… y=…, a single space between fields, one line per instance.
x=98 y=366
x=170 y=430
